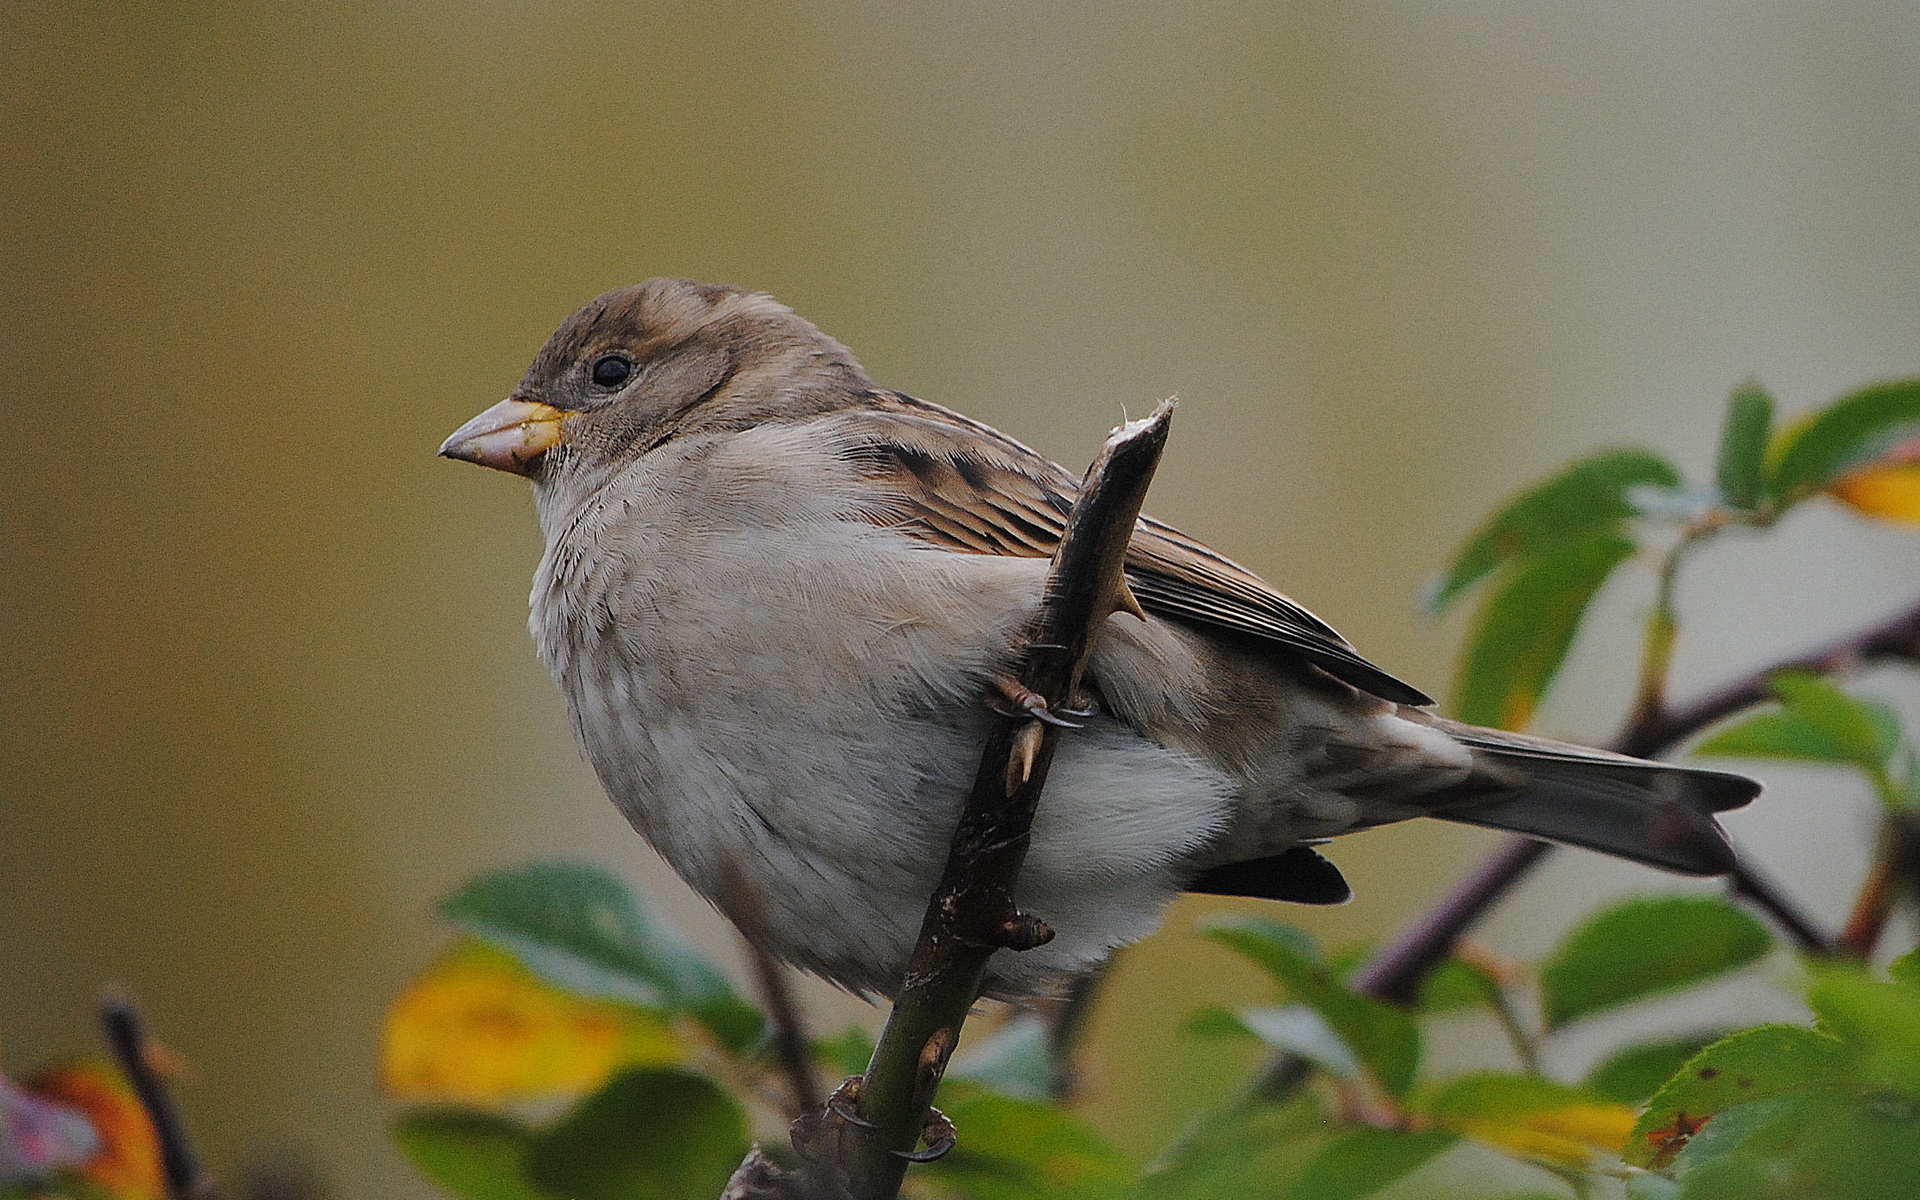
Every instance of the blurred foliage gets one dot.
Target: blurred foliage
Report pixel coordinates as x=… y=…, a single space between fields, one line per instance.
x=631 y=1128
x=77 y=1132
x=571 y=1047
x=1547 y=553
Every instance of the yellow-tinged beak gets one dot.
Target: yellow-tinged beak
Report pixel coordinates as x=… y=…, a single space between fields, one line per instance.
x=510 y=436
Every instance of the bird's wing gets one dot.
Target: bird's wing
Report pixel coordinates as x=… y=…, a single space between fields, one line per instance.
x=966 y=487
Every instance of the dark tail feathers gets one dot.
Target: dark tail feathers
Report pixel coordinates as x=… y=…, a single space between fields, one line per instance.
x=1649 y=812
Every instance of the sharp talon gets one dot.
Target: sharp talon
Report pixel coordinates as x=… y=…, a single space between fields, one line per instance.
x=940 y=1135
x=1038 y=710
x=840 y=1104
x=1090 y=709
x=1029 y=702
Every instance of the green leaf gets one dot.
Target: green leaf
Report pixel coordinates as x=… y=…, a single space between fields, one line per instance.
x=1905 y=970
x=1644 y=947
x=1530 y=1116
x=581 y=929
x=1820 y=723
x=1237 y=1152
x=1741 y=471
x=1634 y=1074
x=1214 y=1021
x=1363 y=1161
x=1833 y=1143
x=1013 y=1149
x=1455 y=985
x=1727 y=1158
x=1381 y=1036
x=847 y=1054
x=646 y=1135
x=1775 y=735
x=1016 y=1061
x=1867 y=731
x=474 y=1155
x=1591 y=497
x=1522 y=631
x=1754 y=1064
x=1851 y=431
x=1279 y=950
x=1877 y=1020
x=1298 y=1029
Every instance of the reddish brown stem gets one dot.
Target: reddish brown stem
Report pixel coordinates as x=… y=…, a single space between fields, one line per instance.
x=1870 y=911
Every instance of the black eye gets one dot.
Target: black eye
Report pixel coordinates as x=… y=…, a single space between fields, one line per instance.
x=612 y=371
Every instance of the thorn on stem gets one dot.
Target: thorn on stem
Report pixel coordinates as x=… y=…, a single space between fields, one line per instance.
x=1026 y=755
x=1024 y=931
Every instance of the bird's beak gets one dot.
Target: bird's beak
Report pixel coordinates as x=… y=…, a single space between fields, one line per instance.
x=510 y=436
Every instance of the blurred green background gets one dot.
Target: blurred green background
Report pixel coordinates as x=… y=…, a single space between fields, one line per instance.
x=268 y=692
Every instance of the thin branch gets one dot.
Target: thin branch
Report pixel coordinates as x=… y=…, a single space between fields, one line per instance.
x=1651 y=733
x=1394 y=973
x=787 y=1030
x=1895 y=877
x=1746 y=882
x=1066 y=1022
x=971 y=916
x=126 y=1035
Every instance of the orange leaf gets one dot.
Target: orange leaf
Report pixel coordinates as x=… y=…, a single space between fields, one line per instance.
x=1888 y=487
x=479 y=1028
x=128 y=1167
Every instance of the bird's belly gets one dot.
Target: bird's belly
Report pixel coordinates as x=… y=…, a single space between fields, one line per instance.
x=819 y=759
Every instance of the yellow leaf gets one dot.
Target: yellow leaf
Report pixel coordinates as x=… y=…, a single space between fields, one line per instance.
x=1888 y=488
x=128 y=1165
x=1568 y=1136
x=479 y=1028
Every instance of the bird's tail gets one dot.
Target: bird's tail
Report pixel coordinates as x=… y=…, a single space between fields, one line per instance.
x=1649 y=812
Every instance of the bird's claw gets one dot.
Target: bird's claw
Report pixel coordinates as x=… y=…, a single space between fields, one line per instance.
x=1029 y=703
x=940 y=1136
x=840 y=1104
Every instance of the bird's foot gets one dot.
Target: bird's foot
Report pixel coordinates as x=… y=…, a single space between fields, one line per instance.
x=939 y=1135
x=1030 y=703
x=841 y=1103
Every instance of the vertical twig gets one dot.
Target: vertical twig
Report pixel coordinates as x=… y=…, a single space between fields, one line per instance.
x=1066 y=1022
x=126 y=1037
x=1895 y=877
x=971 y=915
x=787 y=1030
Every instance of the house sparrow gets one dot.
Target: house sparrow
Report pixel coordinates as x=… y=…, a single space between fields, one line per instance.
x=777 y=597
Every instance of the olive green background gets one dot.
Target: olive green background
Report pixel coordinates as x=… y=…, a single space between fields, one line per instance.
x=268 y=691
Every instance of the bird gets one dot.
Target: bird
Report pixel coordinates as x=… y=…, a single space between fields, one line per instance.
x=781 y=601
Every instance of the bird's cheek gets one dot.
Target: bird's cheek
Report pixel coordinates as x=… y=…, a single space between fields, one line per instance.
x=510 y=436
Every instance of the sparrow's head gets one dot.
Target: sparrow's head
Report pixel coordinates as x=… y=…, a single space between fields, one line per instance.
x=644 y=364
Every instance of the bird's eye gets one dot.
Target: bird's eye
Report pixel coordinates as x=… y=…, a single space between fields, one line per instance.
x=612 y=371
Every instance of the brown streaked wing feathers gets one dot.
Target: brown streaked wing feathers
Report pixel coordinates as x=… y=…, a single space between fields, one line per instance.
x=966 y=487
